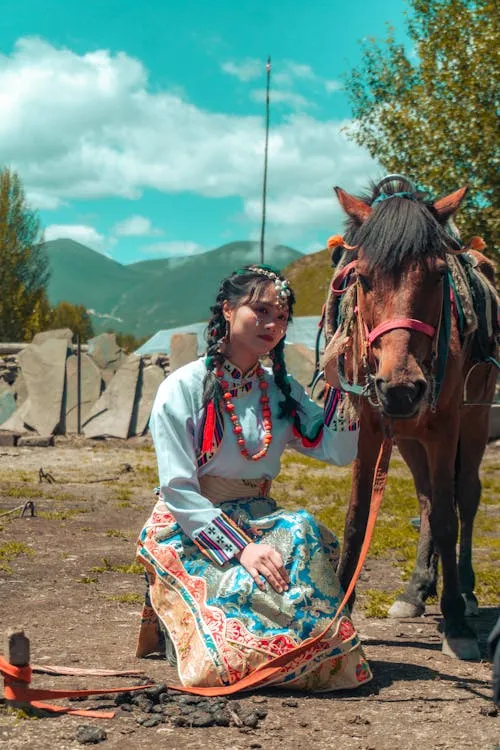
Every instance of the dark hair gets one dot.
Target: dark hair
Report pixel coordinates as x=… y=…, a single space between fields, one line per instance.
x=239 y=288
x=403 y=226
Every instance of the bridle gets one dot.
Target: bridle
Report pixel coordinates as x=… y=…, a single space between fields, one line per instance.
x=345 y=280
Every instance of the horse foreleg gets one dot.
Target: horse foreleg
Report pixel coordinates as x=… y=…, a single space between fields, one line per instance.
x=459 y=639
x=423 y=581
x=359 y=505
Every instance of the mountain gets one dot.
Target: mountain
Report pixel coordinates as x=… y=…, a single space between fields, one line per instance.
x=144 y=297
x=309 y=277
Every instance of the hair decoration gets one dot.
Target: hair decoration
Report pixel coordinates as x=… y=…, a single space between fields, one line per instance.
x=281 y=286
x=385 y=197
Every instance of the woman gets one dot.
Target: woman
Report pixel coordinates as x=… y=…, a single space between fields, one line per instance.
x=233 y=580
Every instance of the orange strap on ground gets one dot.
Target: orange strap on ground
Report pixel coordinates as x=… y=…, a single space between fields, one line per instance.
x=273 y=667
x=16 y=682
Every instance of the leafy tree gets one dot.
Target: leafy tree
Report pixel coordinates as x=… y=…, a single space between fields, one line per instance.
x=128 y=342
x=75 y=317
x=430 y=111
x=24 y=270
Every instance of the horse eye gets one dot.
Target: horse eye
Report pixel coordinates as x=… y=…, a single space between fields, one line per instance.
x=365 y=282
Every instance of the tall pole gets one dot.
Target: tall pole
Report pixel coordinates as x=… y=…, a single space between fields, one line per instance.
x=78 y=385
x=266 y=147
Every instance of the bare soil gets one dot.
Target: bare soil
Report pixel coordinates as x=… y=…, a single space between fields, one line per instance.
x=79 y=609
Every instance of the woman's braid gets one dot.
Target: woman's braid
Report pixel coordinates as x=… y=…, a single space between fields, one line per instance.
x=289 y=408
x=216 y=330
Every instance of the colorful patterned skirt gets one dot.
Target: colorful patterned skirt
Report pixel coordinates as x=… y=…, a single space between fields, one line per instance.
x=223 y=627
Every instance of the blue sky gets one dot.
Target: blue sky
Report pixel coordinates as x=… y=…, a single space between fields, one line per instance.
x=138 y=128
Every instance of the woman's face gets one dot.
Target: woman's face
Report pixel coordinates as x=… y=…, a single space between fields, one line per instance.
x=257 y=326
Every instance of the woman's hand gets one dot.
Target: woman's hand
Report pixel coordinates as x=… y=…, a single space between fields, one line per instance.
x=264 y=560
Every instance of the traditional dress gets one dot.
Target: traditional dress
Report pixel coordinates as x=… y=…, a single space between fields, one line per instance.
x=212 y=503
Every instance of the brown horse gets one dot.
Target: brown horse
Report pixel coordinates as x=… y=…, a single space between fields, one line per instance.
x=408 y=363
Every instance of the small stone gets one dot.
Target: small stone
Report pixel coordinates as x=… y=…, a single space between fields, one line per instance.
x=187 y=710
x=290 y=702
x=165 y=698
x=126 y=707
x=157 y=709
x=87 y=734
x=255 y=744
x=303 y=723
x=260 y=712
x=221 y=719
x=493 y=711
x=170 y=709
x=250 y=720
x=358 y=720
x=124 y=697
x=259 y=699
x=142 y=702
x=180 y=721
x=153 y=721
x=154 y=692
x=201 y=719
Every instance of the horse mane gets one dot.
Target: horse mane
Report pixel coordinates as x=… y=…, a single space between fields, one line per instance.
x=400 y=229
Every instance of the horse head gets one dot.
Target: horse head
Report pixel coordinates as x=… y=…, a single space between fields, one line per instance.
x=400 y=240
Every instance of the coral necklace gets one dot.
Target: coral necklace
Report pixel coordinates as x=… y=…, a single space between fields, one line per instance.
x=237 y=428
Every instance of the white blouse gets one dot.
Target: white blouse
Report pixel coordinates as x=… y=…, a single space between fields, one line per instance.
x=176 y=425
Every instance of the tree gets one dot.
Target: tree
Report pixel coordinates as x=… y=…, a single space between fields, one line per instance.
x=430 y=112
x=75 y=317
x=24 y=269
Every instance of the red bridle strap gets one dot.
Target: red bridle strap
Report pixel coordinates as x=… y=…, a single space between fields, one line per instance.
x=339 y=278
x=408 y=323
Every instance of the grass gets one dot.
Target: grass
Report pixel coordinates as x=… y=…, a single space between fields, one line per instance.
x=115 y=534
x=131 y=598
x=61 y=515
x=9 y=551
x=108 y=567
x=324 y=491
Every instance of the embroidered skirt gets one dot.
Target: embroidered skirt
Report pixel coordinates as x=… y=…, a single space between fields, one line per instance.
x=223 y=626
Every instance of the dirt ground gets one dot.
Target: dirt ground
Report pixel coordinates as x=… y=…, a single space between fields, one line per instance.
x=63 y=579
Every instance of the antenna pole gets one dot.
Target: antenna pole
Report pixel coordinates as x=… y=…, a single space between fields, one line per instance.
x=266 y=147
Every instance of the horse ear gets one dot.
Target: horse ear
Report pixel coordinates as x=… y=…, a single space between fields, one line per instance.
x=354 y=207
x=446 y=207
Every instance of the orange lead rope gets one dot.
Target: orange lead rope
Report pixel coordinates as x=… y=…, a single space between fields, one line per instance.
x=17 y=679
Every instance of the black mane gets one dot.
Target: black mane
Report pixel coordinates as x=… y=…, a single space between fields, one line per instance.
x=400 y=230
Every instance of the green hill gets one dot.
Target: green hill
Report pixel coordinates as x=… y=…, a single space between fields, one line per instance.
x=309 y=277
x=149 y=295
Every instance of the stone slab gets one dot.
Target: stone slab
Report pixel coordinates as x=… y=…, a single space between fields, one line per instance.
x=20 y=389
x=44 y=369
x=91 y=387
x=183 y=349
x=36 y=441
x=151 y=379
x=66 y=334
x=111 y=416
x=7 y=405
x=16 y=422
x=8 y=439
x=107 y=355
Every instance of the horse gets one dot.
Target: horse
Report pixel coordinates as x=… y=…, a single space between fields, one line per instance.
x=406 y=359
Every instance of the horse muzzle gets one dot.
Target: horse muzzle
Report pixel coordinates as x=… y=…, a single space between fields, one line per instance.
x=400 y=401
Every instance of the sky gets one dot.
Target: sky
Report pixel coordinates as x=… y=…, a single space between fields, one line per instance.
x=138 y=128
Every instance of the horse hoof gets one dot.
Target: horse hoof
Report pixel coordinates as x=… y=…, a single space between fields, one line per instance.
x=471 y=606
x=466 y=649
x=401 y=609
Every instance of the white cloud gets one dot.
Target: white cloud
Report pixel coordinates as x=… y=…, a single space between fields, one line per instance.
x=175 y=248
x=136 y=226
x=78 y=232
x=332 y=86
x=292 y=98
x=90 y=126
x=245 y=70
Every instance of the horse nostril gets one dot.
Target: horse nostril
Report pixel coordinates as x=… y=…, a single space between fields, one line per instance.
x=420 y=389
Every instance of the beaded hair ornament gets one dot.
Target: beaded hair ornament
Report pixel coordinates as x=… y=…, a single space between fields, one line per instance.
x=281 y=286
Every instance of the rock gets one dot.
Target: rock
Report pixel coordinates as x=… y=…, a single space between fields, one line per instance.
x=90 y=390
x=183 y=349
x=261 y=713
x=259 y=699
x=201 y=719
x=125 y=697
x=153 y=721
x=36 y=441
x=180 y=721
x=64 y=334
x=250 y=720
x=221 y=718
x=142 y=702
x=107 y=355
x=111 y=416
x=155 y=692
x=44 y=369
x=87 y=734
x=8 y=439
x=290 y=702
x=149 y=381
x=126 y=707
